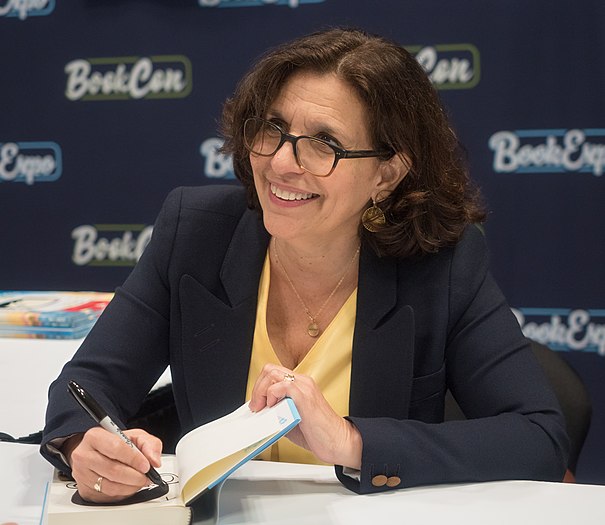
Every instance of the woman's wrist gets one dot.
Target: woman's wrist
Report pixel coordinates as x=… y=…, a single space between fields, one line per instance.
x=350 y=455
x=69 y=445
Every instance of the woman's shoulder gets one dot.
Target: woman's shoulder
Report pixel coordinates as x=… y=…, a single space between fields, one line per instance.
x=472 y=240
x=467 y=256
x=469 y=261
x=221 y=199
x=470 y=245
x=456 y=268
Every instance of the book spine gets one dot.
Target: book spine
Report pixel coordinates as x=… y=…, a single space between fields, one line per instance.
x=43 y=332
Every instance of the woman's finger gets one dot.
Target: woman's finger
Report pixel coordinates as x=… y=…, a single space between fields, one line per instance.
x=113 y=447
x=106 y=468
x=279 y=390
x=102 y=489
x=270 y=375
x=149 y=445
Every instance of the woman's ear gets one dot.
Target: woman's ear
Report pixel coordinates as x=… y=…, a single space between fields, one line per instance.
x=393 y=171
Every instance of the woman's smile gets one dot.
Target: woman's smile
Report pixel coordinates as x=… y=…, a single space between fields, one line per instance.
x=285 y=196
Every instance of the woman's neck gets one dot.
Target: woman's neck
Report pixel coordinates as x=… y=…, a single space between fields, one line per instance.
x=306 y=294
x=315 y=260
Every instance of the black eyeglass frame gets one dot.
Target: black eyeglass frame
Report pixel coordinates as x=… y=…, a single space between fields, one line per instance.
x=339 y=153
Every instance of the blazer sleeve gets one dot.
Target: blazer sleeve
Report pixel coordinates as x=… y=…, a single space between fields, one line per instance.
x=514 y=430
x=127 y=349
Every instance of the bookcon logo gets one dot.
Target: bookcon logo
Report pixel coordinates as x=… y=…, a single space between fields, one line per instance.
x=121 y=244
x=449 y=66
x=22 y=9
x=564 y=329
x=127 y=78
x=30 y=162
x=549 y=151
x=255 y=3
x=216 y=164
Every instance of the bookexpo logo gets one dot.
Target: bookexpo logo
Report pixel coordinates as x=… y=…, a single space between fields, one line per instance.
x=549 y=151
x=121 y=245
x=449 y=66
x=127 y=78
x=30 y=162
x=255 y=3
x=23 y=8
x=216 y=164
x=564 y=329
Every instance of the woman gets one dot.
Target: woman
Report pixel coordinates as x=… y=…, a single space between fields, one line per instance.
x=357 y=285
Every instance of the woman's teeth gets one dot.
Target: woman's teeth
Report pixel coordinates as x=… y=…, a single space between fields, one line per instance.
x=289 y=195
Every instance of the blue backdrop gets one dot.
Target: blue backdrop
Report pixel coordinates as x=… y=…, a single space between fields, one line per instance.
x=107 y=105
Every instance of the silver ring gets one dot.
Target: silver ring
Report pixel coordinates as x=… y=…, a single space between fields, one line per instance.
x=289 y=377
x=97 y=485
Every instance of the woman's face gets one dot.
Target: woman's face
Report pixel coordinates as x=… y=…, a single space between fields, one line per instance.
x=296 y=204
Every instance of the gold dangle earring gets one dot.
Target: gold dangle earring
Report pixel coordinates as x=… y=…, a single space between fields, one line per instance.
x=373 y=218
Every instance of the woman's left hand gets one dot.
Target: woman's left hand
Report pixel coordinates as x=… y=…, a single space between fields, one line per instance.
x=330 y=437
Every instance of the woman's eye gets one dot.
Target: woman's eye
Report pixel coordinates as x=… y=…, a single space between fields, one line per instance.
x=328 y=138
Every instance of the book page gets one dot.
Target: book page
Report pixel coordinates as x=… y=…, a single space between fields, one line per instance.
x=219 y=470
x=230 y=440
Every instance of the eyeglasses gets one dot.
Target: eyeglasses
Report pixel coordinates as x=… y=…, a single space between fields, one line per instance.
x=317 y=156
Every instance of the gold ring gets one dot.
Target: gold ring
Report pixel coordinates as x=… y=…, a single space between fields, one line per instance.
x=97 y=485
x=289 y=377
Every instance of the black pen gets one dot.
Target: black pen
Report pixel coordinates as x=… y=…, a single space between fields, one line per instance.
x=102 y=418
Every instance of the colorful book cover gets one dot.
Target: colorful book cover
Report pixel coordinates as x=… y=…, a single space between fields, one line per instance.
x=52 y=315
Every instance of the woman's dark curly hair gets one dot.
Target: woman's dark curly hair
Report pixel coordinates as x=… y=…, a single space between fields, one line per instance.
x=435 y=201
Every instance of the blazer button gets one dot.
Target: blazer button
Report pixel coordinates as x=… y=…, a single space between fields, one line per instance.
x=393 y=481
x=379 y=481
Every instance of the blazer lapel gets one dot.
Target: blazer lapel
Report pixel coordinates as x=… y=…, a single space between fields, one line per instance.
x=218 y=328
x=383 y=343
x=244 y=259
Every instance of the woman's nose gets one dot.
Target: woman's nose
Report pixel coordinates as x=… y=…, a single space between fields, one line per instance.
x=285 y=159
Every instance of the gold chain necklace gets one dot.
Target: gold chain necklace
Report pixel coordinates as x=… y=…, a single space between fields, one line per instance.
x=313 y=329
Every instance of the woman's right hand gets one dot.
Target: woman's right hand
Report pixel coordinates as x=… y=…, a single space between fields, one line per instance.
x=101 y=458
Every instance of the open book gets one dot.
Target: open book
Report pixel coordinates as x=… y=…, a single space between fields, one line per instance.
x=204 y=458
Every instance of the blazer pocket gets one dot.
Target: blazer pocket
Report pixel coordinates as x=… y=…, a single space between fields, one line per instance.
x=428 y=392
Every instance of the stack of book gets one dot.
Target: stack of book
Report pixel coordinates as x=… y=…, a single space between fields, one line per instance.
x=50 y=315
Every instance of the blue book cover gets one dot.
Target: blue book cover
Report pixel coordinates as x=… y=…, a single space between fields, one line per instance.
x=50 y=315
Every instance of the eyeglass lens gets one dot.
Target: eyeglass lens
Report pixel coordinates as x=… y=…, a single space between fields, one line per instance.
x=264 y=138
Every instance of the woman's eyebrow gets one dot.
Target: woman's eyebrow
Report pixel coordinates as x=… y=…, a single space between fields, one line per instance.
x=273 y=113
x=316 y=126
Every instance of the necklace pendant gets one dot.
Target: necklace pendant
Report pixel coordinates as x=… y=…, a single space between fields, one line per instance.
x=313 y=329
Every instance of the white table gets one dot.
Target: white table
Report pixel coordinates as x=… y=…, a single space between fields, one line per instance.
x=261 y=499
x=282 y=494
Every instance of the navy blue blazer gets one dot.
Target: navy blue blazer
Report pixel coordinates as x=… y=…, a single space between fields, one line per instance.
x=423 y=325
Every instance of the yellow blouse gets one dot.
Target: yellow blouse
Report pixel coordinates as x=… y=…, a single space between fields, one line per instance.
x=328 y=362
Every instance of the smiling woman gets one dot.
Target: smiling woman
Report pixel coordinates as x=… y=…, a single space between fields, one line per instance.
x=357 y=285
x=321 y=114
